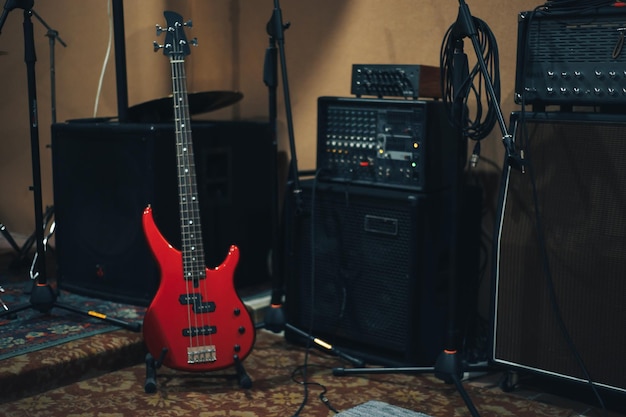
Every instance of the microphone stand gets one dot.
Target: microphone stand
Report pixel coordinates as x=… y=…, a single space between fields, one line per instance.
x=53 y=35
x=42 y=297
x=465 y=28
x=448 y=366
x=274 y=319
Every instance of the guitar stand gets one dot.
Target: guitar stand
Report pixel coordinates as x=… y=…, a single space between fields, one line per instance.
x=43 y=296
x=152 y=364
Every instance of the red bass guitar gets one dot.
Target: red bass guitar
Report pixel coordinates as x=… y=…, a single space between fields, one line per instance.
x=196 y=321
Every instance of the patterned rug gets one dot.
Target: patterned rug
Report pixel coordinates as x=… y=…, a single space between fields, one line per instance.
x=30 y=330
x=278 y=390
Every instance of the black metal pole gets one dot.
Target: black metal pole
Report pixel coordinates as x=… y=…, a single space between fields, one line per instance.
x=275 y=318
x=276 y=29
x=30 y=59
x=120 y=61
x=53 y=36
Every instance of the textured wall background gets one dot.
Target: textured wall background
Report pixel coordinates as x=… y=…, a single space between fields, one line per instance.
x=326 y=37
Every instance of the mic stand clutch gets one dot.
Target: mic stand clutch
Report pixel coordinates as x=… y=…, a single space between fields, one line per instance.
x=43 y=296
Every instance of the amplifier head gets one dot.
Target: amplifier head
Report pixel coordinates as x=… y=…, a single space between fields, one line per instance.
x=571 y=58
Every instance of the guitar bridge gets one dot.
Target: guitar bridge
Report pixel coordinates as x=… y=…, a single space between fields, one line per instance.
x=201 y=354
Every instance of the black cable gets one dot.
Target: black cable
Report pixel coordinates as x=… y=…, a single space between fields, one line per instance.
x=303 y=368
x=322 y=395
x=485 y=117
x=457 y=93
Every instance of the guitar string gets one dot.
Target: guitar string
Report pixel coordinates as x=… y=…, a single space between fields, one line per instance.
x=189 y=208
x=179 y=164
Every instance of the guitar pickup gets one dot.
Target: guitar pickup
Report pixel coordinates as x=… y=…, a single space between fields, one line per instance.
x=199 y=307
x=199 y=331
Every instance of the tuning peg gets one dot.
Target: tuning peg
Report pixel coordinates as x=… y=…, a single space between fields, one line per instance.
x=188 y=23
x=157 y=46
x=194 y=42
x=159 y=29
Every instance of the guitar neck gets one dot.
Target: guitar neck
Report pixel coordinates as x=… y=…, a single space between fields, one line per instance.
x=191 y=230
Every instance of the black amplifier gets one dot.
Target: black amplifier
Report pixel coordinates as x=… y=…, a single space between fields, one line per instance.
x=572 y=58
x=405 y=144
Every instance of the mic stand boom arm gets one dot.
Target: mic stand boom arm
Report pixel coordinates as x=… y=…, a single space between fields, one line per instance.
x=465 y=28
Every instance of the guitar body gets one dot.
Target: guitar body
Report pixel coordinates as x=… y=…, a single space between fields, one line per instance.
x=170 y=320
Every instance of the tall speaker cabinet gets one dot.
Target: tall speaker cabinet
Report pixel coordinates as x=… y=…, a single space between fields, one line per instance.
x=559 y=282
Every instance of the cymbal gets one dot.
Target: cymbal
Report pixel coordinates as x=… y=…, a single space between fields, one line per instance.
x=162 y=109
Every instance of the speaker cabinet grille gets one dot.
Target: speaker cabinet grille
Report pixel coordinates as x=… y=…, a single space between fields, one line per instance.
x=369 y=271
x=577 y=162
x=105 y=174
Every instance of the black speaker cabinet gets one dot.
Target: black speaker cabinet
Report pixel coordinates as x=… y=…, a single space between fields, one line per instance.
x=105 y=174
x=369 y=270
x=561 y=258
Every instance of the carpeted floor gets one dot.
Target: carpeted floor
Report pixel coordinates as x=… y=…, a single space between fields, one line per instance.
x=275 y=368
x=103 y=375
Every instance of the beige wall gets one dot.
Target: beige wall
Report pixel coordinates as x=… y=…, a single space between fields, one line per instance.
x=326 y=37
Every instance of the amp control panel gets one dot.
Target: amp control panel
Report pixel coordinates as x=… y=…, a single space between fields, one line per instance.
x=406 y=144
x=572 y=58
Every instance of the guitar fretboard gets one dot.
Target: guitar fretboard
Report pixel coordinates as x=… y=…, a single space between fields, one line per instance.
x=191 y=230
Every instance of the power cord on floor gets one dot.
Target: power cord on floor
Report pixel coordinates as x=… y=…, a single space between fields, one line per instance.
x=322 y=395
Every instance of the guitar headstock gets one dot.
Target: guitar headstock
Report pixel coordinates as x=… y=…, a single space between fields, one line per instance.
x=176 y=44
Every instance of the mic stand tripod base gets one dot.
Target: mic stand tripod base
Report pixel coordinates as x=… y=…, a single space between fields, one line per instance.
x=9 y=238
x=275 y=322
x=447 y=368
x=43 y=299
